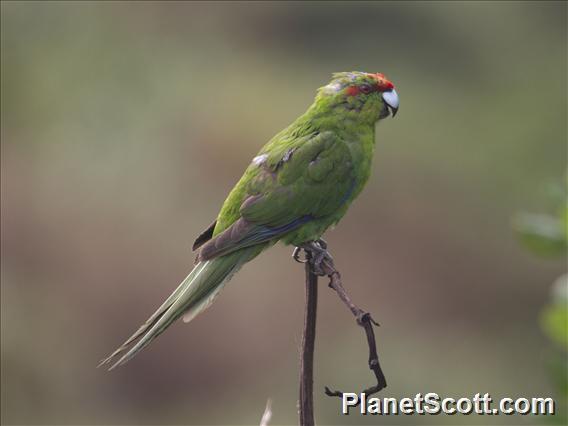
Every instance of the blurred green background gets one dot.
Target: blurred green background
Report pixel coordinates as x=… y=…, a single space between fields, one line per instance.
x=124 y=126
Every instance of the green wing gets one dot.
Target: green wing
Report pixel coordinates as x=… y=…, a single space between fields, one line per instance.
x=289 y=184
x=308 y=178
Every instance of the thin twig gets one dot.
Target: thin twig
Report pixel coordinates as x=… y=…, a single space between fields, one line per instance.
x=319 y=262
x=308 y=344
x=365 y=320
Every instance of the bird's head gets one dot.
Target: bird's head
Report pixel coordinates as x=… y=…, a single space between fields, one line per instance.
x=370 y=96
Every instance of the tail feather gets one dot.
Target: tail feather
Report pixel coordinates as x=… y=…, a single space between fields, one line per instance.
x=150 y=321
x=195 y=293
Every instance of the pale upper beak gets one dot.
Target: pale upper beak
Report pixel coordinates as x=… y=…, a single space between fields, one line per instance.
x=391 y=100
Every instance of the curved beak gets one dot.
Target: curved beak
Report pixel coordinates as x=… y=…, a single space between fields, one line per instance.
x=391 y=100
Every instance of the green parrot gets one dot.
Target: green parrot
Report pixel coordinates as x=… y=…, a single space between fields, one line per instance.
x=300 y=183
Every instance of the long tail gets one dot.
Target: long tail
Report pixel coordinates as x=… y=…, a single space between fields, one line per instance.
x=195 y=294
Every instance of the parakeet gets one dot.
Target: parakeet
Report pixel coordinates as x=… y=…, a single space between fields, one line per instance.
x=300 y=183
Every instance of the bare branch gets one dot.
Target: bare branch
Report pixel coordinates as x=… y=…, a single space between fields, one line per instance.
x=363 y=319
x=308 y=344
x=318 y=261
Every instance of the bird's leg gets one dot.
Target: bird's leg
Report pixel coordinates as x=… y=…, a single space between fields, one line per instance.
x=319 y=254
x=316 y=253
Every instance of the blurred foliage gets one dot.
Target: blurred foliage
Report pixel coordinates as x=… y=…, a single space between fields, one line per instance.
x=543 y=234
x=554 y=322
x=547 y=235
x=555 y=317
x=125 y=124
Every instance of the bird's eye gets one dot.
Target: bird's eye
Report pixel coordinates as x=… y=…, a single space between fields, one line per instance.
x=365 y=88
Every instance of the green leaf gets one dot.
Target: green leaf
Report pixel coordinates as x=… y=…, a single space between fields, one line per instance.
x=543 y=234
x=553 y=322
x=554 y=318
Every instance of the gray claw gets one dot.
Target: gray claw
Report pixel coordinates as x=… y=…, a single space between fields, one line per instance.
x=296 y=255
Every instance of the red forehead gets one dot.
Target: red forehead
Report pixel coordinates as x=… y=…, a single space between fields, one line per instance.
x=382 y=82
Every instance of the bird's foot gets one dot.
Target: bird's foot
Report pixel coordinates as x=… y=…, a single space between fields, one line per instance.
x=322 y=243
x=316 y=254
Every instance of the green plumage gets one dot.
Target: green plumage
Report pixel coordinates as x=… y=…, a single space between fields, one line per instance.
x=300 y=183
